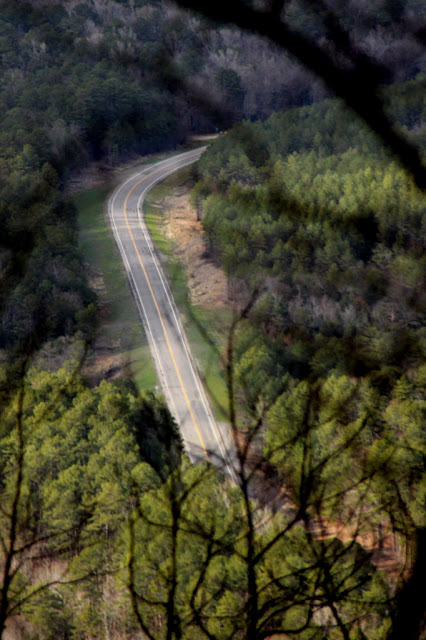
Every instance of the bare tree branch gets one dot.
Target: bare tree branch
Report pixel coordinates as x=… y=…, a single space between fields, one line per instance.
x=359 y=86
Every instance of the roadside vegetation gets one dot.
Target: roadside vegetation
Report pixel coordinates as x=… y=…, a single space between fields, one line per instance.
x=121 y=347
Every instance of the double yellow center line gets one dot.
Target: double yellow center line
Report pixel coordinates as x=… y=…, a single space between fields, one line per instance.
x=156 y=303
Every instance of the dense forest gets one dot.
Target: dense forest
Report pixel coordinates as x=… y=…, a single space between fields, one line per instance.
x=322 y=235
x=309 y=208
x=107 y=530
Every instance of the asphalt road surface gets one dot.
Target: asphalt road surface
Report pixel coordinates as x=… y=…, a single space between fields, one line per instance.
x=176 y=369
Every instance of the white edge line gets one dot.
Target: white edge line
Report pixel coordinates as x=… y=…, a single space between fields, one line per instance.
x=173 y=307
x=169 y=296
x=144 y=316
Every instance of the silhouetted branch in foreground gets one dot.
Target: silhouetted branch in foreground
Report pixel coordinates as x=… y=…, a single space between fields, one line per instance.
x=357 y=80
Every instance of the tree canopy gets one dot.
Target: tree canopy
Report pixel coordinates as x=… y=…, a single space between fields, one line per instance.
x=106 y=529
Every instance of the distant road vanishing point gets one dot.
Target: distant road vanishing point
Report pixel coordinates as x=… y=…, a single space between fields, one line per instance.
x=204 y=439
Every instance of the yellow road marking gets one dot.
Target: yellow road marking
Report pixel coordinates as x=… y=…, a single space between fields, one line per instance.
x=157 y=307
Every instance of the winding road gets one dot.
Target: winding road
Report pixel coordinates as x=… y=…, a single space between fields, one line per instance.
x=204 y=439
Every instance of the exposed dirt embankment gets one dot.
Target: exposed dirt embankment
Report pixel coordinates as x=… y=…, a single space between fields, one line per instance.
x=206 y=282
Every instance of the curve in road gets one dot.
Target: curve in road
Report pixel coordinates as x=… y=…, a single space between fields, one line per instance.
x=177 y=373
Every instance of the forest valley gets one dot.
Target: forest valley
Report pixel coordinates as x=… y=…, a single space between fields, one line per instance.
x=106 y=529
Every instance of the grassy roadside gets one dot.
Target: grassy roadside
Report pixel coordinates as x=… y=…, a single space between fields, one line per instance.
x=121 y=344
x=206 y=329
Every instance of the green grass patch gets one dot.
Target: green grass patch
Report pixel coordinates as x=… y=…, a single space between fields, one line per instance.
x=206 y=329
x=121 y=335
x=154 y=217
